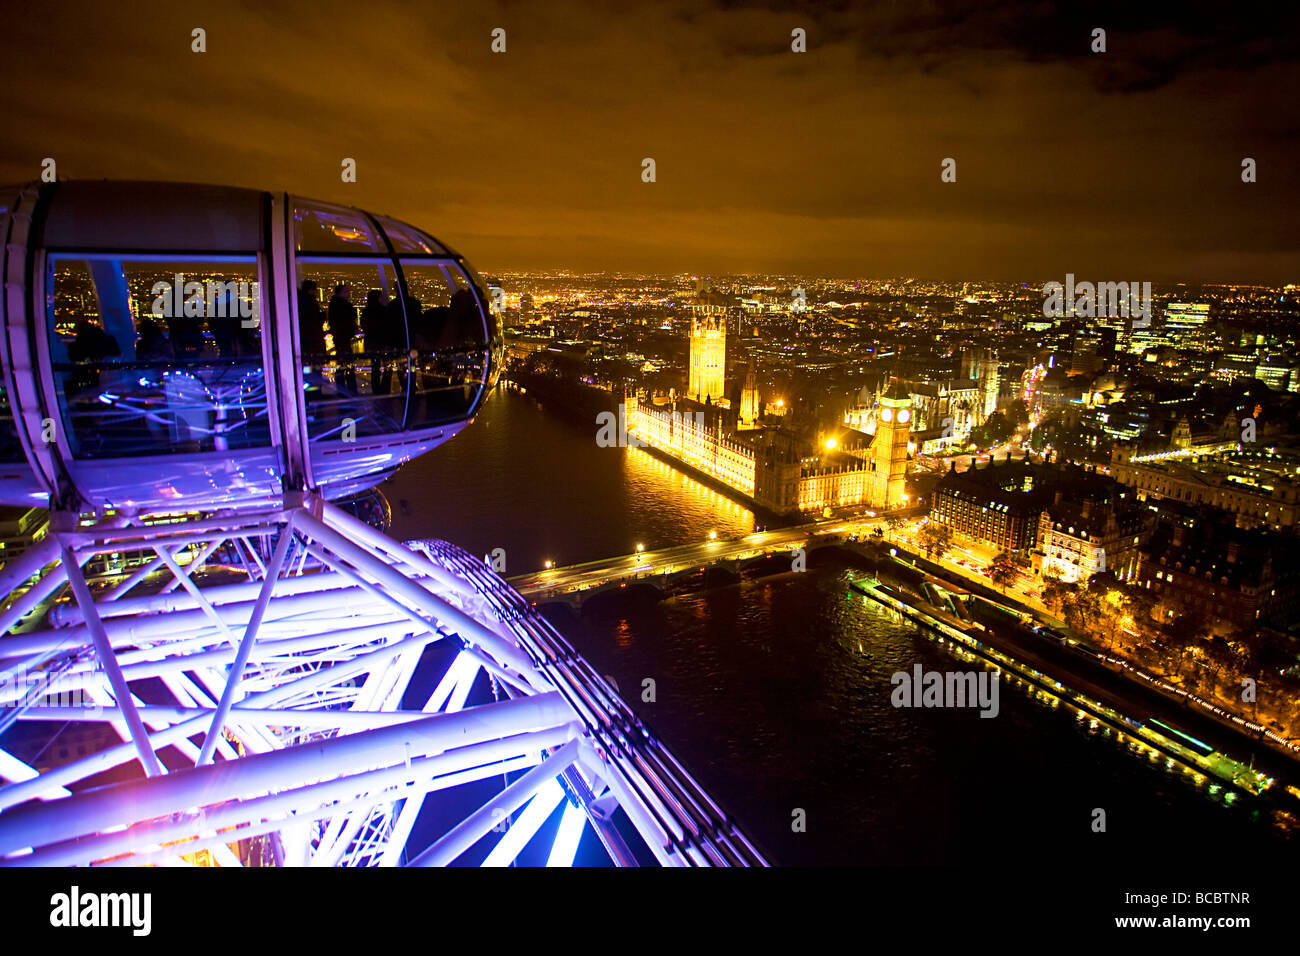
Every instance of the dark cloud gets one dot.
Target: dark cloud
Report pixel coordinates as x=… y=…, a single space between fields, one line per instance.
x=1125 y=163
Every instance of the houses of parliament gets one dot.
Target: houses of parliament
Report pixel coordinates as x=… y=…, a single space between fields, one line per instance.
x=751 y=448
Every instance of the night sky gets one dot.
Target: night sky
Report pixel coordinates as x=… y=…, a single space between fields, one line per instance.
x=1117 y=166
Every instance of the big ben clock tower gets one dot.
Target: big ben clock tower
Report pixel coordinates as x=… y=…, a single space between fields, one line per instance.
x=888 y=461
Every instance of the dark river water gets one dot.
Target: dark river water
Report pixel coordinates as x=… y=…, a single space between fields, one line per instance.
x=776 y=692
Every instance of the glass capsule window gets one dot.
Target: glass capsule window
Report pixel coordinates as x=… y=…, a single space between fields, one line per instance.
x=354 y=348
x=157 y=356
x=406 y=239
x=319 y=227
x=496 y=325
x=449 y=343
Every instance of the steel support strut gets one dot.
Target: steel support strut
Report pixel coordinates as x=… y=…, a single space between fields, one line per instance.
x=333 y=705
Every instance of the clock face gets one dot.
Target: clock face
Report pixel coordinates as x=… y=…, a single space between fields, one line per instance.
x=886 y=414
x=904 y=415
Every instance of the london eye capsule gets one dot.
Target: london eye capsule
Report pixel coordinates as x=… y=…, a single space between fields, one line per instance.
x=172 y=346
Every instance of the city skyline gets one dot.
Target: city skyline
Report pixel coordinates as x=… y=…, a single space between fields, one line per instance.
x=1123 y=163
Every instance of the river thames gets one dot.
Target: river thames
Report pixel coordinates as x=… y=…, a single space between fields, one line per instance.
x=776 y=692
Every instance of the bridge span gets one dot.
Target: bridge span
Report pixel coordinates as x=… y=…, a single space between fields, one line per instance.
x=574 y=583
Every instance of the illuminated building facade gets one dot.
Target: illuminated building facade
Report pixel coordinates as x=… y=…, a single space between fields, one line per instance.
x=997 y=506
x=1187 y=325
x=832 y=482
x=773 y=467
x=981 y=367
x=694 y=434
x=1241 y=578
x=861 y=416
x=1080 y=537
x=708 y=359
x=1070 y=520
x=749 y=402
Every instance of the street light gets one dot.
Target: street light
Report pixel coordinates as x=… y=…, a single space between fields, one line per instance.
x=640 y=548
x=712 y=535
x=548 y=564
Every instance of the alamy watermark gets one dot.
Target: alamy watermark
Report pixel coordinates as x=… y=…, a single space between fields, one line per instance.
x=209 y=299
x=612 y=431
x=131 y=910
x=946 y=689
x=1103 y=300
x=23 y=688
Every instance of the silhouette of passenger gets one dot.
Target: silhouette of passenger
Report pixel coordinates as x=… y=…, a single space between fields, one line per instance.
x=464 y=327
x=152 y=345
x=92 y=343
x=186 y=335
x=343 y=329
x=232 y=335
x=343 y=319
x=403 y=325
x=225 y=332
x=379 y=342
x=311 y=322
x=88 y=350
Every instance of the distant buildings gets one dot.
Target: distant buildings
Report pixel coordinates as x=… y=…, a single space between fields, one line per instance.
x=1080 y=535
x=774 y=466
x=1187 y=325
x=1176 y=391
x=20 y=528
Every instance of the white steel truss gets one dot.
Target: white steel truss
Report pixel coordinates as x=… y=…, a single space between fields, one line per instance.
x=292 y=687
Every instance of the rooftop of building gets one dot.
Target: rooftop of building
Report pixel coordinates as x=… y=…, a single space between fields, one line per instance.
x=1092 y=518
x=1242 y=470
x=1028 y=486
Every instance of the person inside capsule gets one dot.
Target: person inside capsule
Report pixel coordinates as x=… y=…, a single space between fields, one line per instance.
x=89 y=348
x=342 y=317
x=311 y=321
x=377 y=342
